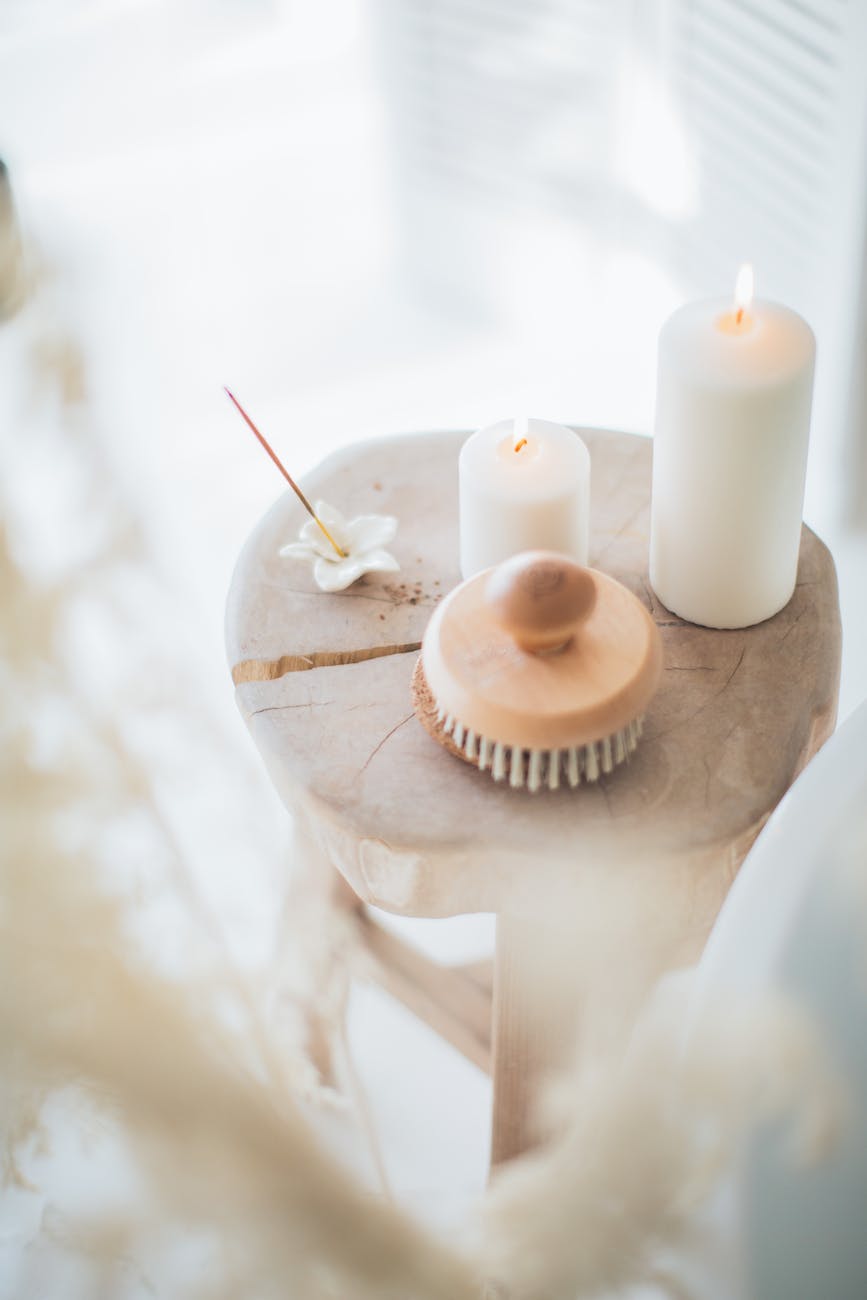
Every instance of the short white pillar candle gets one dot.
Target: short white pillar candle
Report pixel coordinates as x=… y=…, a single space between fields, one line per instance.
x=524 y=486
x=729 y=458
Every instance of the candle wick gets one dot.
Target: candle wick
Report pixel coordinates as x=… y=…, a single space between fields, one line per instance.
x=739 y=316
x=519 y=445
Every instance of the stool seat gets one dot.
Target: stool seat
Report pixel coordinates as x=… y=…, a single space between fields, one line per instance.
x=323 y=682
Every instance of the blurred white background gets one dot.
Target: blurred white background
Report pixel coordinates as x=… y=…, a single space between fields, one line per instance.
x=369 y=217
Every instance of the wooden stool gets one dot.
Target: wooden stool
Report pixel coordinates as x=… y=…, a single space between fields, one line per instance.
x=323 y=682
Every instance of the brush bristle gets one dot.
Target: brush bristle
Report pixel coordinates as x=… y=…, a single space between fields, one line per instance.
x=530 y=769
x=538 y=769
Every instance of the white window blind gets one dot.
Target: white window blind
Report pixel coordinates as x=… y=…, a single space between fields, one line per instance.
x=708 y=132
x=775 y=94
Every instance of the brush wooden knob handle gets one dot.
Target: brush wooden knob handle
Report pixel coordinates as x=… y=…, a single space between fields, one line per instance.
x=541 y=599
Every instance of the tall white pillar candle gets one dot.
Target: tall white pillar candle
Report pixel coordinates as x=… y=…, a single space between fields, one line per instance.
x=729 y=459
x=524 y=486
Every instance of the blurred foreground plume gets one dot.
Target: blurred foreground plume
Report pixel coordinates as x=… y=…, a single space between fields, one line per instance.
x=177 y=1064
x=645 y=1133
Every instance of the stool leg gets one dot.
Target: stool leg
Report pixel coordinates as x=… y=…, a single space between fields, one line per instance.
x=591 y=966
x=534 y=1015
x=317 y=873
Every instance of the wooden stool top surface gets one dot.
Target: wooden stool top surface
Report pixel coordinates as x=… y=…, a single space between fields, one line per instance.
x=323 y=682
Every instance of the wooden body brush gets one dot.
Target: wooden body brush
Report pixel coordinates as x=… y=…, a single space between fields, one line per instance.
x=538 y=671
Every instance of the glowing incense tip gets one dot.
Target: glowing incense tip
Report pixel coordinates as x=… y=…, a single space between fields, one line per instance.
x=282 y=468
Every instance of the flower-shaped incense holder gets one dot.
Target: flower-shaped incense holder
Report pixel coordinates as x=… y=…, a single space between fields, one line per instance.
x=362 y=539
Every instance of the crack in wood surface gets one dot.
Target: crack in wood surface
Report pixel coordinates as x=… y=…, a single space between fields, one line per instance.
x=622 y=531
x=268 y=670
x=281 y=708
x=409 y=717
x=705 y=703
x=794 y=623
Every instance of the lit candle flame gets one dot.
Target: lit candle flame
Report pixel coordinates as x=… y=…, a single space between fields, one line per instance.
x=743 y=291
x=520 y=429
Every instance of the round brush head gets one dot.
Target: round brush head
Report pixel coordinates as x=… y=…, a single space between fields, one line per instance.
x=538 y=671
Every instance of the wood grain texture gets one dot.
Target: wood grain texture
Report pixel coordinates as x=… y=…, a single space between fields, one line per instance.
x=416 y=832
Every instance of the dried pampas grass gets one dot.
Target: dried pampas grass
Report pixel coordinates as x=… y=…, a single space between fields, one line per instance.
x=174 y=1049
x=219 y=1148
x=645 y=1133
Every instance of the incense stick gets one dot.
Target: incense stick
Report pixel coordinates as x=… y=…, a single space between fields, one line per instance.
x=288 y=477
